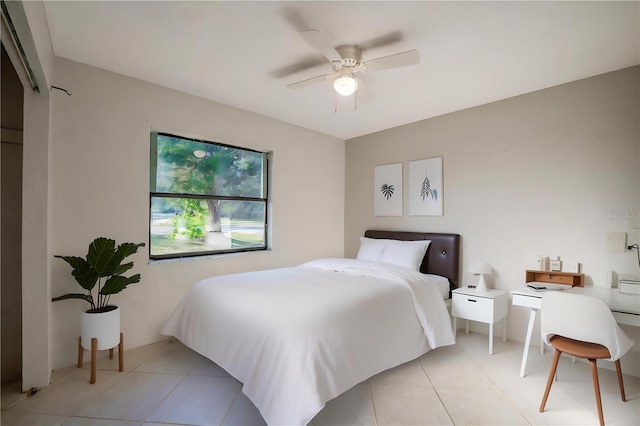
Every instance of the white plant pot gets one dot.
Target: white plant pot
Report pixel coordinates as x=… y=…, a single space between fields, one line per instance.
x=104 y=326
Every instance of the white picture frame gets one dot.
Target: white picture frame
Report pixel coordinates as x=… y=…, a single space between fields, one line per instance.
x=387 y=190
x=426 y=190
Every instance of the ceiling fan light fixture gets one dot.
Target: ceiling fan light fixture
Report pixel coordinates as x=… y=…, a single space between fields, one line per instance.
x=345 y=85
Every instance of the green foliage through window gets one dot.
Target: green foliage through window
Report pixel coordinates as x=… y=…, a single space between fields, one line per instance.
x=206 y=198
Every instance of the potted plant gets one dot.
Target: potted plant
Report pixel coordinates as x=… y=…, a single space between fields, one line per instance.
x=102 y=267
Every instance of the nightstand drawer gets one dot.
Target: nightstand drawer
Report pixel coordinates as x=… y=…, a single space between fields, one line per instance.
x=473 y=308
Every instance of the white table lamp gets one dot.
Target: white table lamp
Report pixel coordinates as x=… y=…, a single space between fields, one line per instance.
x=480 y=268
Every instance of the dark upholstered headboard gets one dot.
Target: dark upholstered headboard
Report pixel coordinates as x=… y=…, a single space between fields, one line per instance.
x=443 y=254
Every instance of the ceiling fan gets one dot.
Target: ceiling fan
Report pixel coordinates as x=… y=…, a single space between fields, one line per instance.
x=346 y=60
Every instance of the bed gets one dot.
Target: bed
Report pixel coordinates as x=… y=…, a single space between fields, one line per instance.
x=298 y=337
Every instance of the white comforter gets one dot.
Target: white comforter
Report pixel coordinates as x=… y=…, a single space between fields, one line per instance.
x=298 y=337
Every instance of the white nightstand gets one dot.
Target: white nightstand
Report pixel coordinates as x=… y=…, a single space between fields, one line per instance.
x=489 y=307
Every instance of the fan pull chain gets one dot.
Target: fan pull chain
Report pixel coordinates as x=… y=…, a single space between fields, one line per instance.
x=355 y=102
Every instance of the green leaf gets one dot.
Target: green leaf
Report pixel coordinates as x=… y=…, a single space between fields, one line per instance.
x=106 y=259
x=74 y=261
x=123 y=268
x=101 y=256
x=86 y=297
x=123 y=251
x=117 y=283
x=84 y=274
x=127 y=249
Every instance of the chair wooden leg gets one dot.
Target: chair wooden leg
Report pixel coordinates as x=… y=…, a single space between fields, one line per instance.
x=80 y=351
x=552 y=373
x=620 y=382
x=596 y=389
x=111 y=353
x=94 y=350
x=121 y=353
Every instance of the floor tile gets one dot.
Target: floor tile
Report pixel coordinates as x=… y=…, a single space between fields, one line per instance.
x=17 y=418
x=560 y=409
x=133 y=398
x=70 y=393
x=162 y=424
x=407 y=374
x=206 y=367
x=503 y=370
x=478 y=343
x=453 y=371
x=354 y=407
x=536 y=361
x=447 y=350
x=198 y=400
x=172 y=358
x=479 y=407
x=615 y=411
x=243 y=413
x=12 y=394
x=408 y=405
x=87 y=421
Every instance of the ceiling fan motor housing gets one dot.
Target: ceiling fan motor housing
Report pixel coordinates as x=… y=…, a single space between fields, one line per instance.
x=351 y=55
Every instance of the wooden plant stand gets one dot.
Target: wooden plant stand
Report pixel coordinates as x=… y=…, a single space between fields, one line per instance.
x=94 y=351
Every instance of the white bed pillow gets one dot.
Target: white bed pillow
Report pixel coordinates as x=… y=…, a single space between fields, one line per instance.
x=405 y=253
x=371 y=249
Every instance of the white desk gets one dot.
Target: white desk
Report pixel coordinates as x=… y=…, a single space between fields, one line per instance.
x=625 y=309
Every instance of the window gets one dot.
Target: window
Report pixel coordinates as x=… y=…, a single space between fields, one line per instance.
x=206 y=198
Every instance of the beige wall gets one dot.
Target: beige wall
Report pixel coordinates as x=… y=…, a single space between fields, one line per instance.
x=100 y=187
x=532 y=175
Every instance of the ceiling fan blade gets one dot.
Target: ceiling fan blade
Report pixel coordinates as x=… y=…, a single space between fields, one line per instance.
x=323 y=43
x=305 y=64
x=411 y=57
x=308 y=82
x=294 y=18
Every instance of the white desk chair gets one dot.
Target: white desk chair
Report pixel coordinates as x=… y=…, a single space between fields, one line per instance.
x=584 y=327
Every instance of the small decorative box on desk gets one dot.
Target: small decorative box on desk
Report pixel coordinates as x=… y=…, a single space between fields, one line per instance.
x=488 y=307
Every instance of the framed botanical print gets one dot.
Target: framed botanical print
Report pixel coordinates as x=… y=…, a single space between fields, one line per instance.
x=425 y=187
x=387 y=191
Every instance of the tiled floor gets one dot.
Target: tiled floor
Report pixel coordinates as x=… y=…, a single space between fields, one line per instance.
x=167 y=383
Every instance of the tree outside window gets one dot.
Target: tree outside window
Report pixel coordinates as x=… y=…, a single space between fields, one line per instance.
x=206 y=198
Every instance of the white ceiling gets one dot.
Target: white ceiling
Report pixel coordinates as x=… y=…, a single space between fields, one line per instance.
x=236 y=52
